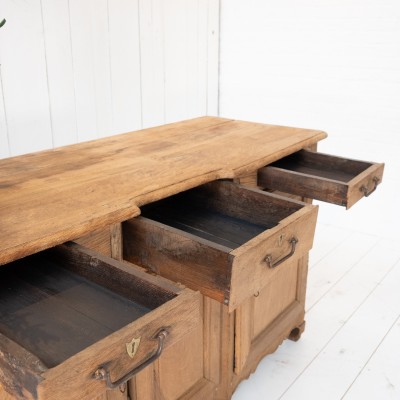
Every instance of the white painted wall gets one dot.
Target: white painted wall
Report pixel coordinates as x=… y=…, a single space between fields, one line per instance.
x=75 y=70
x=332 y=65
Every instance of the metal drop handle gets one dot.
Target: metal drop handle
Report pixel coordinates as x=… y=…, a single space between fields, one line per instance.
x=273 y=264
x=364 y=189
x=103 y=374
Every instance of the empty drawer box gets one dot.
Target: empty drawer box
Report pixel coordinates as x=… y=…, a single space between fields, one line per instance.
x=323 y=177
x=220 y=238
x=73 y=320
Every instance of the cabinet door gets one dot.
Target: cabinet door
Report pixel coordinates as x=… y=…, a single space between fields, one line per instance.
x=273 y=314
x=181 y=373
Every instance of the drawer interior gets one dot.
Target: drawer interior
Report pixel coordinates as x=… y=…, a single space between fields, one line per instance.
x=219 y=238
x=221 y=213
x=323 y=165
x=54 y=306
x=323 y=177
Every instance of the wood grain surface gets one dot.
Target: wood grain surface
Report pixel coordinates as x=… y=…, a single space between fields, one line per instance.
x=53 y=196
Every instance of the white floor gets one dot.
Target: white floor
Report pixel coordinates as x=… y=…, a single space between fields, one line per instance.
x=351 y=346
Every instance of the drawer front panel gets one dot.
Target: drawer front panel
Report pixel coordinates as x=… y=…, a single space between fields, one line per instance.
x=256 y=263
x=323 y=177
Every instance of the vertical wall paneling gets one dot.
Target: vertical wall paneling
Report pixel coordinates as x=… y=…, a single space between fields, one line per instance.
x=179 y=47
x=91 y=61
x=78 y=70
x=193 y=45
x=175 y=37
x=102 y=67
x=60 y=74
x=213 y=28
x=152 y=56
x=81 y=14
x=183 y=58
x=4 y=145
x=24 y=77
x=125 y=65
x=202 y=58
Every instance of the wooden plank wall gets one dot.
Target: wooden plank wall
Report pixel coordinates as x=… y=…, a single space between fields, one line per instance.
x=75 y=70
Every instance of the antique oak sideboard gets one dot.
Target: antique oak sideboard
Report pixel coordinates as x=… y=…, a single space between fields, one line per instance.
x=160 y=264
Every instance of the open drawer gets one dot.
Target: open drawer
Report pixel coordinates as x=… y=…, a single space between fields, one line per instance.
x=323 y=177
x=74 y=321
x=220 y=238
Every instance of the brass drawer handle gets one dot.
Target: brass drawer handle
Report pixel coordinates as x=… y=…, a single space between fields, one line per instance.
x=103 y=374
x=364 y=189
x=268 y=259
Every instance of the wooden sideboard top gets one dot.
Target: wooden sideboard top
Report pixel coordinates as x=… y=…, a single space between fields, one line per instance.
x=57 y=195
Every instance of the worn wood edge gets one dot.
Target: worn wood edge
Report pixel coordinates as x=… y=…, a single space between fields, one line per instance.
x=212 y=325
x=270 y=339
x=214 y=121
x=183 y=310
x=20 y=371
x=69 y=252
x=262 y=162
x=227 y=339
x=243 y=332
x=365 y=178
x=248 y=180
x=302 y=272
x=68 y=233
x=116 y=241
x=98 y=240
